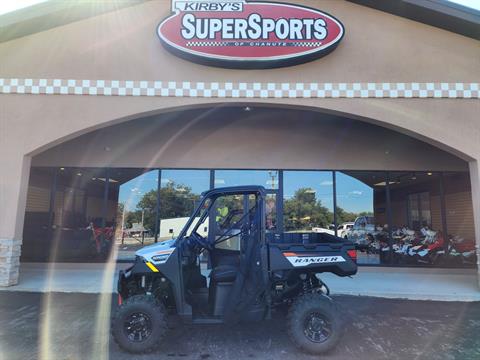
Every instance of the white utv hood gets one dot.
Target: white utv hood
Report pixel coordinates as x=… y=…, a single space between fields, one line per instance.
x=157 y=253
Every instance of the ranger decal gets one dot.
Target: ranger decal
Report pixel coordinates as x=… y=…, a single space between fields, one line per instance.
x=307 y=259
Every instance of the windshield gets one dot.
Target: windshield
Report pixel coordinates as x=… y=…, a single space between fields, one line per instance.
x=199 y=223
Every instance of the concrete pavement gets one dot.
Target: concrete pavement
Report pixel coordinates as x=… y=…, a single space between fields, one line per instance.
x=403 y=283
x=51 y=326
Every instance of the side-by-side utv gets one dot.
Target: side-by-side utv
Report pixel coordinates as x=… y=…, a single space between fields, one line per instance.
x=226 y=267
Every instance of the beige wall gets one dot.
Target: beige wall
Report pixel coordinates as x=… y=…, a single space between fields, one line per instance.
x=378 y=47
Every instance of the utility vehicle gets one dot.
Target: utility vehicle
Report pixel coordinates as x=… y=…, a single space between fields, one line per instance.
x=251 y=273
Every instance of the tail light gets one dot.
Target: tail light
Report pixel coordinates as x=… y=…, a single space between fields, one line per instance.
x=352 y=254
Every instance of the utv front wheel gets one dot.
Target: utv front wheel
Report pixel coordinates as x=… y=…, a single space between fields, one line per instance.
x=139 y=324
x=314 y=324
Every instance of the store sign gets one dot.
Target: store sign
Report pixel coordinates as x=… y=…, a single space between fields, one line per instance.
x=248 y=34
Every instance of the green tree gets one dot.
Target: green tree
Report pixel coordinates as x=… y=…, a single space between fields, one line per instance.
x=303 y=211
x=132 y=217
x=176 y=200
x=345 y=216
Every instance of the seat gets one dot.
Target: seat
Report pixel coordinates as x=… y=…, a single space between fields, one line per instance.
x=224 y=273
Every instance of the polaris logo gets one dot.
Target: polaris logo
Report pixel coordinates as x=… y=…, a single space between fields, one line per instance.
x=308 y=260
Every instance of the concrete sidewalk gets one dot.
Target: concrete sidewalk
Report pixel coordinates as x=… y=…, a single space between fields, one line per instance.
x=409 y=283
x=401 y=283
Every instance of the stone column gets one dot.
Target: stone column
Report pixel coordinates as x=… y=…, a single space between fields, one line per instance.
x=475 y=183
x=14 y=174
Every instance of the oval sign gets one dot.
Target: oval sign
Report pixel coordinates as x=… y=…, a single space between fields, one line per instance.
x=248 y=35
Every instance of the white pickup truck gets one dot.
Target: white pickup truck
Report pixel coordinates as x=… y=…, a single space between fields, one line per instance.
x=343 y=229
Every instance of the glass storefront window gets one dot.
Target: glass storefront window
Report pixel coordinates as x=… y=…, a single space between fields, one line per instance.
x=361 y=204
x=271 y=212
x=73 y=214
x=38 y=215
x=459 y=220
x=137 y=208
x=84 y=222
x=416 y=217
x=422 y=232
x=266 y=178
x=419 y=213
x=180 y=192
x=308 y=201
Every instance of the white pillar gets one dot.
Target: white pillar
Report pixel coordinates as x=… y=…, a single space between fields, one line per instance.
x=475 y=183
x=15 y=171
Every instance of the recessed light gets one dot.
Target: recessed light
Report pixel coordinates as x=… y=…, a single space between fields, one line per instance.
x=61 y=169
x=247 y=108
x=79 y=174
x=429 y=174
x=384 y=183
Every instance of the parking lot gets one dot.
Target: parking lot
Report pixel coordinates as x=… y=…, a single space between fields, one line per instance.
x=71 y=326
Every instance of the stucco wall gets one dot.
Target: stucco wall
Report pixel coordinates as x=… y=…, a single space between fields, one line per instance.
x=377 y=47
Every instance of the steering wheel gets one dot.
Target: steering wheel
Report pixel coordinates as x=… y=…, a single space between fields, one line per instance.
x=199 y=240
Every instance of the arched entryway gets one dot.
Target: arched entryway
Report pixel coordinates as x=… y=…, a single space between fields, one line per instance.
x=137 y=179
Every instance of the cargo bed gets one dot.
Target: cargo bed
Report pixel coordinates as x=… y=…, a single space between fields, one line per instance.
x=319 y=252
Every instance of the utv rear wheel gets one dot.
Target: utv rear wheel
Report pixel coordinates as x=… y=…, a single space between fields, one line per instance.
x=314 y=324
x=139 y=324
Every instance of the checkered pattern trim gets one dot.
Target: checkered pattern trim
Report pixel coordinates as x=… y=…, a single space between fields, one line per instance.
x=262 y=43
x=206 y=43
x=239 y=90
x=307 y=44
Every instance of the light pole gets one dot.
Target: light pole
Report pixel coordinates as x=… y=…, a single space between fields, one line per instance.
x=123 y=221
x=143 y=229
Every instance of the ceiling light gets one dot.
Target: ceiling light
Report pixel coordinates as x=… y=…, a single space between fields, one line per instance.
x=429 y=174
x=110 y=180
x=247 y=108
x=79 y=174
x=384 y=183
x=61 y=169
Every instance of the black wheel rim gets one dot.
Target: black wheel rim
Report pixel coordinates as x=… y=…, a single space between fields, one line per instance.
x=138 y=327
x=317 y=327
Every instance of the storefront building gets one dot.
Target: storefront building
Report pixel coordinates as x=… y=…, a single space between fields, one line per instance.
x=110 y=131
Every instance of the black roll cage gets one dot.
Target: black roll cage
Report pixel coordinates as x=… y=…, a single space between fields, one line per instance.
x=216 y=193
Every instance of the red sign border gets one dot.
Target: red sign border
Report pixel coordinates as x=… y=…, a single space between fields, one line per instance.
x=260 y=63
